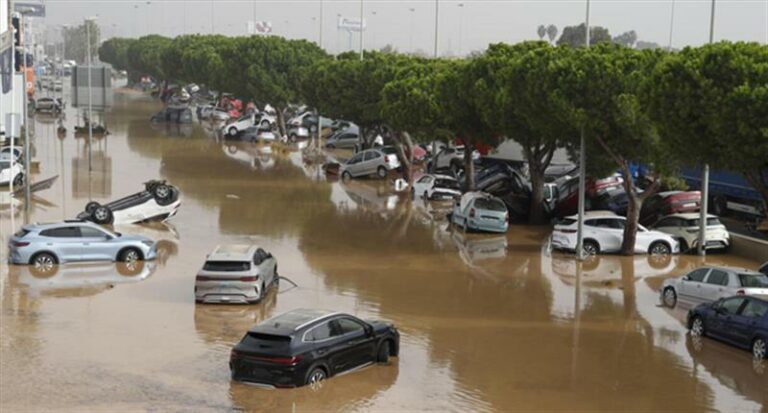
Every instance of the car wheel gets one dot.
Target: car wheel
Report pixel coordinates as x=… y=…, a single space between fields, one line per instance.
x=316 y=375
x=232 y=131
x=102 y=215
x=659 y=248
x=591 y=247
x=759 y=349
x=381 y=172
x=18 y=180
x=129 y=255
x=670 y=297
x=162 y=191
x=91 y=206
x=683 y=245
x=130 y=269
x=292 y=137
x=697 y=327
x=346 y=176
x=265 y=123
x=43 y=264
x=383 y=355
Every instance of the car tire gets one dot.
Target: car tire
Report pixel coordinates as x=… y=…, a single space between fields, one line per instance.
x=381 y=172
x=129 y=255
x=292 y=137
x=591 y=247
x=669 y=297
x=382 y=356
x=697 y=327
x=316 y=375
x=91 y=206
x=264 y=123
x=43 y=265
x=346 y=176
x=232 y=131
x=130 y=269
x=18 y=180
x=659 y=248
x=760 y=348
x=102 y=215
x=162 y=192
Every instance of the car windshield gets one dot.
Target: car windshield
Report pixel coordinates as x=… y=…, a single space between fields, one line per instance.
x=388 y=150
x=754 y=280
x=227 y=266
x=447 y=183
x=711 y=221
x=490 y=204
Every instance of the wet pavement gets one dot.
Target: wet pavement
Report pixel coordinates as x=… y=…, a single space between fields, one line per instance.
x=488 y=323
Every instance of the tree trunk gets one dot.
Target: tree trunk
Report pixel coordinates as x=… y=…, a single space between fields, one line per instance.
x=536 y=209
x=281 y=123
x=469 y=164
x=755 y=178
x=408 y=157
x=633 y=212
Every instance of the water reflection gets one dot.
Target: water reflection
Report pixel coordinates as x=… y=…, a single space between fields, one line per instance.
x=254 y=156
x=97 y=183
x=226 y=324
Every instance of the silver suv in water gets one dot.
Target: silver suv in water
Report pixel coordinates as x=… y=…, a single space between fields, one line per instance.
x=239 y=273
x=708 y=284
x=45 y=245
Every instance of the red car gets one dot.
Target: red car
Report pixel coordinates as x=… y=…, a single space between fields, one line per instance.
x=568 y=192
x=670 y=202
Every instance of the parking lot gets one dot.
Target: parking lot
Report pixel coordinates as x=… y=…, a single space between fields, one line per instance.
x=487 y=322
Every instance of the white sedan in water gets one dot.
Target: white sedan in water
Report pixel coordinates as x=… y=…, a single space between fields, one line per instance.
x=8 y=174
x=604 y=232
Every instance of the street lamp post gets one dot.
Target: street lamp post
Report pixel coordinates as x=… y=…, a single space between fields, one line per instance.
x=437 y=15
x=671 y=25
x=701 y=250
x=410 y=42
x=461 y=25
x=582 y=172
x=362 y=30
x=90 y=94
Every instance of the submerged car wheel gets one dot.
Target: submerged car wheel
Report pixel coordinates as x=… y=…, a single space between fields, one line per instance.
x=591 y=247
x=102 y=215
x=383 y=355
x=697 y=327
x=129 y=255
x=232 y=131
x=18 y=180
x=346 y=176
x=43 y=264
x=670 y=297
x=316 y=376
x=759 y=349
x=381 y=172
x=659 y=248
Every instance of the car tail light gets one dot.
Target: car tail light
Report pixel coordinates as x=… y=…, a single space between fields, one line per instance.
x=472 y=213
x=249 y=279
x=288 y=361
x=741 y=292
x=203 y=278
x=19 y=243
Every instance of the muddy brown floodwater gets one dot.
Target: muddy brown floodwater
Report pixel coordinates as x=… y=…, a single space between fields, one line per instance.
x=488 y=323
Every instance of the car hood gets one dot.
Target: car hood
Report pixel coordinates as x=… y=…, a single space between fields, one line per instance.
x=381 y=326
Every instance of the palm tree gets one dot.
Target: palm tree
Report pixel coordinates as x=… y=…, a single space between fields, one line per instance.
x=542 y=31
x=551 y=32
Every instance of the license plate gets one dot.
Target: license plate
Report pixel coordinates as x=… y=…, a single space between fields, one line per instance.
x=689 y=205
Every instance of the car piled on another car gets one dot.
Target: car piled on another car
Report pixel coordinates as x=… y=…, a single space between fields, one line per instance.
x=436 y=187
x=158 y=201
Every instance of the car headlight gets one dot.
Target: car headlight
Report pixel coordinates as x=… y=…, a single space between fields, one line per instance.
x=148 y=243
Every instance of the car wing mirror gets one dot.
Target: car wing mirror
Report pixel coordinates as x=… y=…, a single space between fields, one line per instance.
x=368 y=331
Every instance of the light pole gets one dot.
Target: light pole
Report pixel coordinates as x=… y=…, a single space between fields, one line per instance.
x=90 y=93
x=582 y=171
x=437 y=15
x=338 y=33
x=701 y=250
x=373 y=37
x=212 y=15
x=671 y=25
x=362 y=30
x=410 y=42
x=461 y=25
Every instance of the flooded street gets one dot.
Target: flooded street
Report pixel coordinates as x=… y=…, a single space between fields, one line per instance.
x=487 y=323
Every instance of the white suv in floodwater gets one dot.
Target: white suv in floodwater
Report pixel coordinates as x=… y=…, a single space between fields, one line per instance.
x=236 y=274
x=708 y=284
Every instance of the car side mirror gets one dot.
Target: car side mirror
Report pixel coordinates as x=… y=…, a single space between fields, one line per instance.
x=368 y=331
x=686 y=278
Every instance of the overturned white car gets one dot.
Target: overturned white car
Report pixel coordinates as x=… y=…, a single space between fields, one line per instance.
x=158 y=201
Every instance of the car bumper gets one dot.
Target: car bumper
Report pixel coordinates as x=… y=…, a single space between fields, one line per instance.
x=482 y=225
x=213 y=292
x=244 y=370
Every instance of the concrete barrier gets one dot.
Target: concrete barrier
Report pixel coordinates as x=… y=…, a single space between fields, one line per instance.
x=748 y=247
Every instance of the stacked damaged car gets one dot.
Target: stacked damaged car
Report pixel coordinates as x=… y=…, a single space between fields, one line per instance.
x=158 y=201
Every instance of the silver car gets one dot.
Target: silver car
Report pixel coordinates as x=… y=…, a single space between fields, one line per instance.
x=707 y=284
x=45 y=245
x=369 y=162
x=239 y=273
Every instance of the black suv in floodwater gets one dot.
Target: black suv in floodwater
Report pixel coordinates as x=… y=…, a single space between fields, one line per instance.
x=307 y=346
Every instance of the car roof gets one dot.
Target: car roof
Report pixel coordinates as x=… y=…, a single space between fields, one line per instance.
x=233 y=252
x=733 y=269
x=292 y=321
x=67 y=223
x=688 y=215
x=597 y=214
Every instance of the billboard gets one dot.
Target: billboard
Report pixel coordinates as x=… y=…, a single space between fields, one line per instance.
x=351 y=24
x=101 y=95
x=30 y=8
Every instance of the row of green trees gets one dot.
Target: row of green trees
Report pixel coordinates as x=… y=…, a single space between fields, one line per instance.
x=651 y=107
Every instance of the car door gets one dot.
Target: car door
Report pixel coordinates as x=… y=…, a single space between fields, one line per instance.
x=64 y=242
x=354 y=165
x=611 y=232
x=744 y=324
x=96 y=245
x=328 y=345
x=715 y=286
x=719 y=324
x=691 y=285
x=360 y=345
x=369 y=162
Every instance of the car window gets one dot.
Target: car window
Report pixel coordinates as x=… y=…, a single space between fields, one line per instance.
x=616 y=223
x=490 y=204
x=732 y=305
x=371 y=155
x=88 y=232
x=711 y=221
x=755 y=309
x=447 y=183
x=698 y=274
x=424 y=179
x=753 y=280
x=717 y=277
x=348 y=136
x=62 y=232
x=356 y=159
x=348 y=326
x=319 y=333
x=590 y=222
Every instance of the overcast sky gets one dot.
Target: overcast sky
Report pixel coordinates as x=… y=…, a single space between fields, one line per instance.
x=409 y=25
